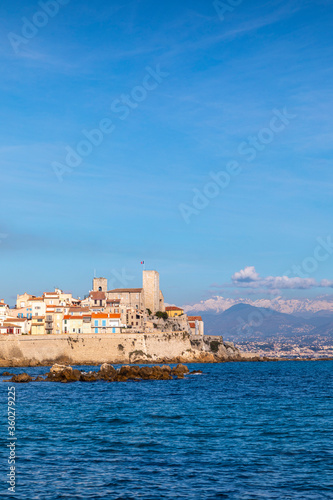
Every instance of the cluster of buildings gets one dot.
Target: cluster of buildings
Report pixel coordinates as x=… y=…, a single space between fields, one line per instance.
x=295 y=347
x=101 y=311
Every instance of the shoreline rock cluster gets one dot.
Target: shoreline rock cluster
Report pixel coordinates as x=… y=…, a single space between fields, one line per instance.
x=66 y=374
x=188 y=358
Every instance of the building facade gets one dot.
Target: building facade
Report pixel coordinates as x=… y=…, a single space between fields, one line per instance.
x=173 y=311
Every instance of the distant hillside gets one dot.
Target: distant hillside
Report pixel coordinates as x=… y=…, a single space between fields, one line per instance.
x=243 y=322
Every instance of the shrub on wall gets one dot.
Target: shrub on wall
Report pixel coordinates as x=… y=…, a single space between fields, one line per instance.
x=162 y=314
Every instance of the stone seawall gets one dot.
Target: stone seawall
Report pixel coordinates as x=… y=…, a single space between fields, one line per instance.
x=33 y=350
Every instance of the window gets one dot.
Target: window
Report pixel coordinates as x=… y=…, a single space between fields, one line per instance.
x=104 y=322
x=96 y=322
x=95 y=302
x=99 y=288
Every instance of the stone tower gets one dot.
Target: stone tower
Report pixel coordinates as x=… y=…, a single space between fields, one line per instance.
x=151 y=288
x=100 y=285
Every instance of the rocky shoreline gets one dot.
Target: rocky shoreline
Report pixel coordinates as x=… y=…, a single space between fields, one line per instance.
x=107 y=372
x=65 y=373
x=204 y=358
x=197 y=358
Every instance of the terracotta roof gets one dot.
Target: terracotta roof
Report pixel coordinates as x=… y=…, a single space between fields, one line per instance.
x=9 y=325
x=97 y=295
x=20 y=320
x=36 y=298
x=192 y=325
x=126 y=290
x=193 y=318
x=173 y=308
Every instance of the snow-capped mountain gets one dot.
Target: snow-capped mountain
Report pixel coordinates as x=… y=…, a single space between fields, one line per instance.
x=279 y=304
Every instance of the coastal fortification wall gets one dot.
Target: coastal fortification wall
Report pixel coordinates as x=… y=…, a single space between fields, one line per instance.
x=33 y=350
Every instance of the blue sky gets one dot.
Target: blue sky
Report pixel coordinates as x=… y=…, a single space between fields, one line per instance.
x=222 y=79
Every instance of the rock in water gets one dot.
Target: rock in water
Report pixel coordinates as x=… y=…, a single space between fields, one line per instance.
x=107 y=372
x=57 y=368
x=64 y=374
x=61 y=373
x=22 y=377
x=179 y=370
x=89 y=377
x=166 y=368
x=129 y=371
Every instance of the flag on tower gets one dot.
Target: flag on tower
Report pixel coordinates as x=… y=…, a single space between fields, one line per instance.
x=142 y=262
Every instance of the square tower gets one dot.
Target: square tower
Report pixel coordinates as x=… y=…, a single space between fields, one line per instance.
x=151 y=287
x=100 y=285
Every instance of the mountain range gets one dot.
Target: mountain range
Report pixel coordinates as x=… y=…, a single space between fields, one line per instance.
x=244 y=322
x=278 y=303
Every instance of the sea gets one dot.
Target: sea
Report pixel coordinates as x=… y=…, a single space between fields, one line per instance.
x=260 y=430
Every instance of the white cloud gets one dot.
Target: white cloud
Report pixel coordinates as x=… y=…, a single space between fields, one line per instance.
x=249 y=278
x=326 y=284
x=246 y=275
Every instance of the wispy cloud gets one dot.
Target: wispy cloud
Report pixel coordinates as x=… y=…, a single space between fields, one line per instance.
x=249 y=278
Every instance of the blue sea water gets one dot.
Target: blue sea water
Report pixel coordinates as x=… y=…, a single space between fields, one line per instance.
x=239 y=431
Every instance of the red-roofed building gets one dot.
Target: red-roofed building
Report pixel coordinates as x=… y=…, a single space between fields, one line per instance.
x=196 y=325
x=105 y=323
x=10 y=329
x=77 y=323
x=174 y=311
